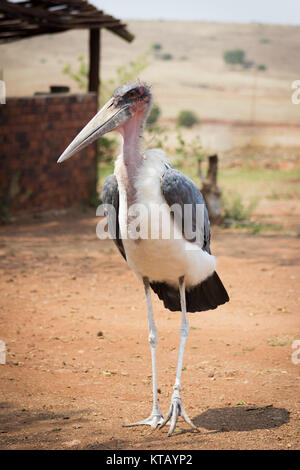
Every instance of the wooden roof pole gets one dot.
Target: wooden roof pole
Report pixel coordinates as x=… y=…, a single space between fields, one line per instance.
x=94 y=86
x=94 y=52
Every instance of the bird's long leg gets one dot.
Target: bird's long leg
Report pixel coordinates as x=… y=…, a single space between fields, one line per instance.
x=156 y=416
x=176 y=409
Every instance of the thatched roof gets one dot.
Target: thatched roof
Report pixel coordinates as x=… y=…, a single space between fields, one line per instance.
x=20 y=20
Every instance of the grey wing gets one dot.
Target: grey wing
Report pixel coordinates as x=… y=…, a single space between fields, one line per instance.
x=110 y=197
x=178 y=191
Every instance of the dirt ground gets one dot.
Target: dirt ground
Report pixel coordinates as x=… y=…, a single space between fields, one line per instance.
x=74 y=320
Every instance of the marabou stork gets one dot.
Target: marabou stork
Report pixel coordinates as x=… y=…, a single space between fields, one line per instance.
x=180 y=270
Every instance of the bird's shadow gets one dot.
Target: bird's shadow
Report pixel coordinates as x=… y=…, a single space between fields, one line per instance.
x=242 y=418
x=238 y=418
x=217 y=420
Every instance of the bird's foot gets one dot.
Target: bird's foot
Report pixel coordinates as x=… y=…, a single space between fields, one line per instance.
x=154 y=420
x=176 y=409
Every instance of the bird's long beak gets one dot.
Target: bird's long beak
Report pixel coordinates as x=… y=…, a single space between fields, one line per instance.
x=107 y=119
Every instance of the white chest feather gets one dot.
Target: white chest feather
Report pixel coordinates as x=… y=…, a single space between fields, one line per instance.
x=154 y=254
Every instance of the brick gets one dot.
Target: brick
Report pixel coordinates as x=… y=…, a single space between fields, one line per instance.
x=33 y=133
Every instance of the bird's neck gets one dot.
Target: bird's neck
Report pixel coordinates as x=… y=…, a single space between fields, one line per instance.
x=131 y=158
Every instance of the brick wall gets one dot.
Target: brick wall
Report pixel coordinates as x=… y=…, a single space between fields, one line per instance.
x=34 y=131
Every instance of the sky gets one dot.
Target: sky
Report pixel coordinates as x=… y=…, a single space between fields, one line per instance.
x=237 y=11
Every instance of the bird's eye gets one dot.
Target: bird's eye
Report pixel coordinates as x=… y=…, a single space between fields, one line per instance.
x=132 y=94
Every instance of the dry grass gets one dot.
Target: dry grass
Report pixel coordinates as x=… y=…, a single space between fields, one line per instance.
x=196 y=78
x=201 y=82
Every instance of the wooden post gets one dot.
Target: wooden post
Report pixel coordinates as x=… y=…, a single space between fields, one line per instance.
x=211 y=191
x=212 y=169
x=94 y=86
x=94 y=49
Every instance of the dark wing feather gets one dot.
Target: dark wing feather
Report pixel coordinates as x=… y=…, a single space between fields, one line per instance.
x=179 y=189
x=207 y=295
x=110 y=196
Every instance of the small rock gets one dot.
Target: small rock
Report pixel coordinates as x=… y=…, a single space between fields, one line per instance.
x=73 y=443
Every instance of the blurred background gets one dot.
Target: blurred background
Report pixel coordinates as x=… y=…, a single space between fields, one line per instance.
x=225 y=80
x=221 y=76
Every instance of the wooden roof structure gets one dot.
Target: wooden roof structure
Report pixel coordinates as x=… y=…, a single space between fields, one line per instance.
x=19 y=20
x=28 y=18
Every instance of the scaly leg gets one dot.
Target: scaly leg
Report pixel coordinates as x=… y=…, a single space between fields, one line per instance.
x=156 y=416
x=176 y=409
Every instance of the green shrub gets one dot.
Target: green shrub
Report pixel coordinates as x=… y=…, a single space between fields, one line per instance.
x=156 y=46
x=166 y=56
x=235 y=210
x=261 y=67
x=153 y=115
x=234 y=56
x=187 y=118
x=188 y=150
x=80 y=75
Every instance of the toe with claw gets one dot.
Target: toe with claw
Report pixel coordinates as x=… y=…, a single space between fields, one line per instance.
x=154 y=420
x=176 y=409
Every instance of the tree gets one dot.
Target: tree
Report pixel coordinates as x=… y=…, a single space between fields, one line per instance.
x=153 y=115
x=187 y=118
x=234 y=56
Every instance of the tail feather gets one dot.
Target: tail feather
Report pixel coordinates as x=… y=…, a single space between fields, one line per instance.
x=205 y=296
